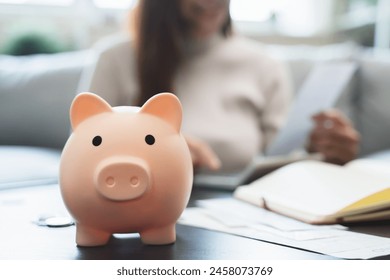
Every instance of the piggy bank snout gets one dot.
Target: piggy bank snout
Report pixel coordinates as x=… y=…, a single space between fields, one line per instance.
x=122 y=178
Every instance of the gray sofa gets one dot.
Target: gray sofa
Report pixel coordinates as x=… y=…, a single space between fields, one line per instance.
x=35 y=95
x=36 y=92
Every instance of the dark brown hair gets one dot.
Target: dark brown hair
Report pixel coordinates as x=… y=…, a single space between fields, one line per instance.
x=160 y=31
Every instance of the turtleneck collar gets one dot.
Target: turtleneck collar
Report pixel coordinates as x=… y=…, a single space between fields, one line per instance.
x=193 y=47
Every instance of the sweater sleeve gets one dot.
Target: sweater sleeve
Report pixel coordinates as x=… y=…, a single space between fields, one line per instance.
x=278 y=93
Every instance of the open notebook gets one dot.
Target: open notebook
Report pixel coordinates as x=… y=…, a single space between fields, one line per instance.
x=321 y=90
x=322 y=193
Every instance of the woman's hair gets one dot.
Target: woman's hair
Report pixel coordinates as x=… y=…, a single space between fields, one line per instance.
x=159 y=33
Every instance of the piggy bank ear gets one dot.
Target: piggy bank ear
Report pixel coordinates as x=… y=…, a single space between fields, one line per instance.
x=85 y=105
x=165 y=106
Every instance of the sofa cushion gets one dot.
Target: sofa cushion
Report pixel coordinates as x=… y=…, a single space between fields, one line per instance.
x=300 y=59
x=28 y=166
x=373 y=114
x=35 y=94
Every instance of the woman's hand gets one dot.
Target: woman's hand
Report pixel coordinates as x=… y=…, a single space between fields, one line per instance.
x=202 y=154
x=334 y=137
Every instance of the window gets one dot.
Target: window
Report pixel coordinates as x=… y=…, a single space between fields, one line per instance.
x=111 y=4
x=252 y=10
x=39 y=2
x=114 y=4
x=297 y=18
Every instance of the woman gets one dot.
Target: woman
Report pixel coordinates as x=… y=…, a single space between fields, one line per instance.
x=234 y=96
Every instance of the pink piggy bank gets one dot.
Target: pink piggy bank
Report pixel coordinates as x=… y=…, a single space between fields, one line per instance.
x=125 y=169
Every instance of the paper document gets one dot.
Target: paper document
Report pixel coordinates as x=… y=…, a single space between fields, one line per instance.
x=321 y=90
x=232 y=216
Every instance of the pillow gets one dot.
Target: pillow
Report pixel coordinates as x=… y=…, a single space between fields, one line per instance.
x=35 y=95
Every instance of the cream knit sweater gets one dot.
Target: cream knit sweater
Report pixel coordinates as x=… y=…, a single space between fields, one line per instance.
x=234 y=96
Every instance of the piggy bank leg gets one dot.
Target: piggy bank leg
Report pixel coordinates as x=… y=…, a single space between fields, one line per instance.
x=86 y=236
x=159 y=236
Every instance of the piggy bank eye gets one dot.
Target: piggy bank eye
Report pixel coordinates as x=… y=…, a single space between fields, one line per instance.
x=149 y=139
x=97 y=140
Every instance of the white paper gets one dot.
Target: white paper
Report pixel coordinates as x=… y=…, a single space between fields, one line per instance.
x=239 y=218
x=321 y=90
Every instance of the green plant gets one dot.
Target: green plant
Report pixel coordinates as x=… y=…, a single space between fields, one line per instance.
x=32 y=42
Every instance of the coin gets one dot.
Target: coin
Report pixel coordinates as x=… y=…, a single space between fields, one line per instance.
x=59 y=222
